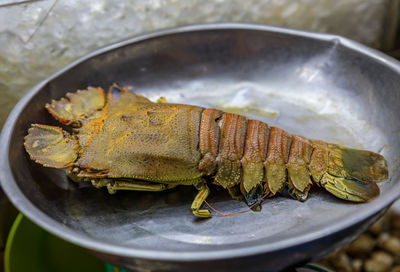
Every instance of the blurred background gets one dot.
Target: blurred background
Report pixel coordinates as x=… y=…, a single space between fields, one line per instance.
x=40 y=36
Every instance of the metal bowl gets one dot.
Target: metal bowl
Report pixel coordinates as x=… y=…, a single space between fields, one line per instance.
x=320 y=86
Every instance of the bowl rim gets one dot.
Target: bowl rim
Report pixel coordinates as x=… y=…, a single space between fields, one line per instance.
x=37 y=216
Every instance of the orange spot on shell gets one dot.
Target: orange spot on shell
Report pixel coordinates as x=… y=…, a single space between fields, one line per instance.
x=96 y=127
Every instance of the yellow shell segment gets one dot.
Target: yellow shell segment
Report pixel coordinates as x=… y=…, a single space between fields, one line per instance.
x=143 y=140
x=255 y=151
x=297 y=166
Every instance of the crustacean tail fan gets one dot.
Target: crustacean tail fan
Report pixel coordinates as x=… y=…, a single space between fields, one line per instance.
x=349 y=174
x=51 y=146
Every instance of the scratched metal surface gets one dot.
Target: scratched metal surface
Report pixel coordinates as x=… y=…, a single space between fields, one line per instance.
x=319 y=86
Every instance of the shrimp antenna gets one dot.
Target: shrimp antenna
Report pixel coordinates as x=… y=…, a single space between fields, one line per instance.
x=238 y=212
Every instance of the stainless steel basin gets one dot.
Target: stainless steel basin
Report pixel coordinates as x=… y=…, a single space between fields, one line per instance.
x=320 y=86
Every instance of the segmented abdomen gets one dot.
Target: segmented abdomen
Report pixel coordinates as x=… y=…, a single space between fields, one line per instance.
x=250 y=153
